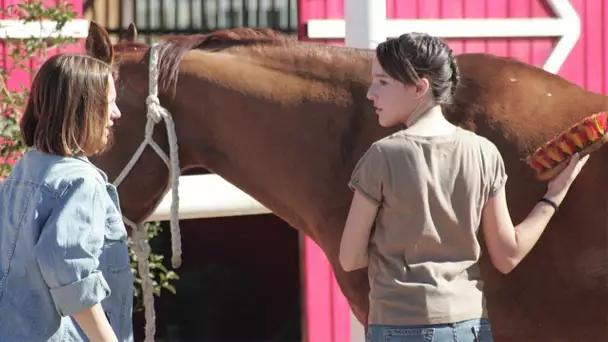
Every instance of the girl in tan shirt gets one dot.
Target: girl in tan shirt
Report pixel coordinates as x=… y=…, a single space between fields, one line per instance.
x=420 y=196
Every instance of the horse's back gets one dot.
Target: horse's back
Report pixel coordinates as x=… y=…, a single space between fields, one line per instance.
x=522 y=99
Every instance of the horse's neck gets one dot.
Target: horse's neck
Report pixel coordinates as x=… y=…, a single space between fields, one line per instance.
x=285 y=135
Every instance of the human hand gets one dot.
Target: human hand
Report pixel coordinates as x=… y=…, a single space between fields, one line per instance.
x=560 y=184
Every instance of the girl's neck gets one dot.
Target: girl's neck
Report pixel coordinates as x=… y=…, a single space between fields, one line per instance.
x=430 y=121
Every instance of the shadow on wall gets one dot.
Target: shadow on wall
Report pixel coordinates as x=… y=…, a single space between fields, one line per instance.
x=240 y=281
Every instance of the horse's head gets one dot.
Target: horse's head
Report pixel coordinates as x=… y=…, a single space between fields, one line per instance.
x=146 y=181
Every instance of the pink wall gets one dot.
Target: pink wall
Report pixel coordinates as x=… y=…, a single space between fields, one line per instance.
x=587 y=66
x=21 y=77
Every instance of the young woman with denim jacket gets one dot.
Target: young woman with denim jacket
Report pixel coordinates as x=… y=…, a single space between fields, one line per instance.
x=420 y=196
x=64 y=263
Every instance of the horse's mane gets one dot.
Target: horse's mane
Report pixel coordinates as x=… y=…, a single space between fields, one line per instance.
x=172 y=49
x=238 y=36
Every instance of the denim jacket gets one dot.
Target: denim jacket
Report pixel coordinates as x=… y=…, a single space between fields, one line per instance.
x=62 y=249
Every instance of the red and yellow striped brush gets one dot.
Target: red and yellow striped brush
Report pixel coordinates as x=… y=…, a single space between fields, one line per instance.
x=584 y=137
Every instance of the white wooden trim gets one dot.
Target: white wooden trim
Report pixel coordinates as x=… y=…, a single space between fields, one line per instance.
x=18 y=29
x=364 y=22
x=566 y=25
x=452 y=28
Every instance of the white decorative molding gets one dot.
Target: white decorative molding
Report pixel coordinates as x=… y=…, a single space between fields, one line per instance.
x=364 y=22
x=566 y=25
x=18 y=29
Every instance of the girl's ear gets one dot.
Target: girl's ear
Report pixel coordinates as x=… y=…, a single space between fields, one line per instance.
x=422 y=87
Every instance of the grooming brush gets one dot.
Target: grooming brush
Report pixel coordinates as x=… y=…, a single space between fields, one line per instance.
x=584 y=137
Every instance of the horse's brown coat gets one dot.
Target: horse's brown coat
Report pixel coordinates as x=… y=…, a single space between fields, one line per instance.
x=286 y=121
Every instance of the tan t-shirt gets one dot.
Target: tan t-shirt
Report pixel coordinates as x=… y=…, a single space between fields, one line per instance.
x=424 y=248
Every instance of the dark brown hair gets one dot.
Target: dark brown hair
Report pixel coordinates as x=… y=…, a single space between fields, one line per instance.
x=67 y=110
x=414 y=55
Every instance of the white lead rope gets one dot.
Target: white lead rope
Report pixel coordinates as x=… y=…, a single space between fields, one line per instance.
x=155 y=114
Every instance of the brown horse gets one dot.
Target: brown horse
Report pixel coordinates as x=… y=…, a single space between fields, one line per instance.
x=286 y=121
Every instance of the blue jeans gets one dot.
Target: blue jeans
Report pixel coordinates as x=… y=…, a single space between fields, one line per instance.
x=475 y=330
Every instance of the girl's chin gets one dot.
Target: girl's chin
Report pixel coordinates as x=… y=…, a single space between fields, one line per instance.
x=385 y=122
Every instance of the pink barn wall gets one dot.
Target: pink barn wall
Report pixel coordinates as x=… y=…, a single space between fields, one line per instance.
x=20 y=78
x=587 y=65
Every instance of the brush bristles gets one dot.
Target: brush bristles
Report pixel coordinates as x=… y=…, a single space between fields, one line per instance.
x=590 y=130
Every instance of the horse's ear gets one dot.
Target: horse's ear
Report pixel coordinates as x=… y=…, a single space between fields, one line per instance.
x=131 y=34
x=98 y=43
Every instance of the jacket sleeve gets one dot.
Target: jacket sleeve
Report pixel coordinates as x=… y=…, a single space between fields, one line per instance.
x=69 y=248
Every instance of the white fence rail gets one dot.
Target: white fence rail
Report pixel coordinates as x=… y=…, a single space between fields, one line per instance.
x=204 y=196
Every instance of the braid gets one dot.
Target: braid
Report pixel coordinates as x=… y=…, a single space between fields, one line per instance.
x=414 y=55
x=455 y=74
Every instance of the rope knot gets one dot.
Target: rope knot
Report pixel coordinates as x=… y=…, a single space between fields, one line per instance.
x=155 y=111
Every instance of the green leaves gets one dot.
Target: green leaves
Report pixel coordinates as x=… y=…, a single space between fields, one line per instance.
x=160 y=275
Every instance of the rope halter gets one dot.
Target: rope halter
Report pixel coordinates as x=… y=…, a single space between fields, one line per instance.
x=156 y=112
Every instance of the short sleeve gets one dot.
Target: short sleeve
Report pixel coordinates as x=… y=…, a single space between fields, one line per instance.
x=368 y=175
x=498 y=175
x=69 y=248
